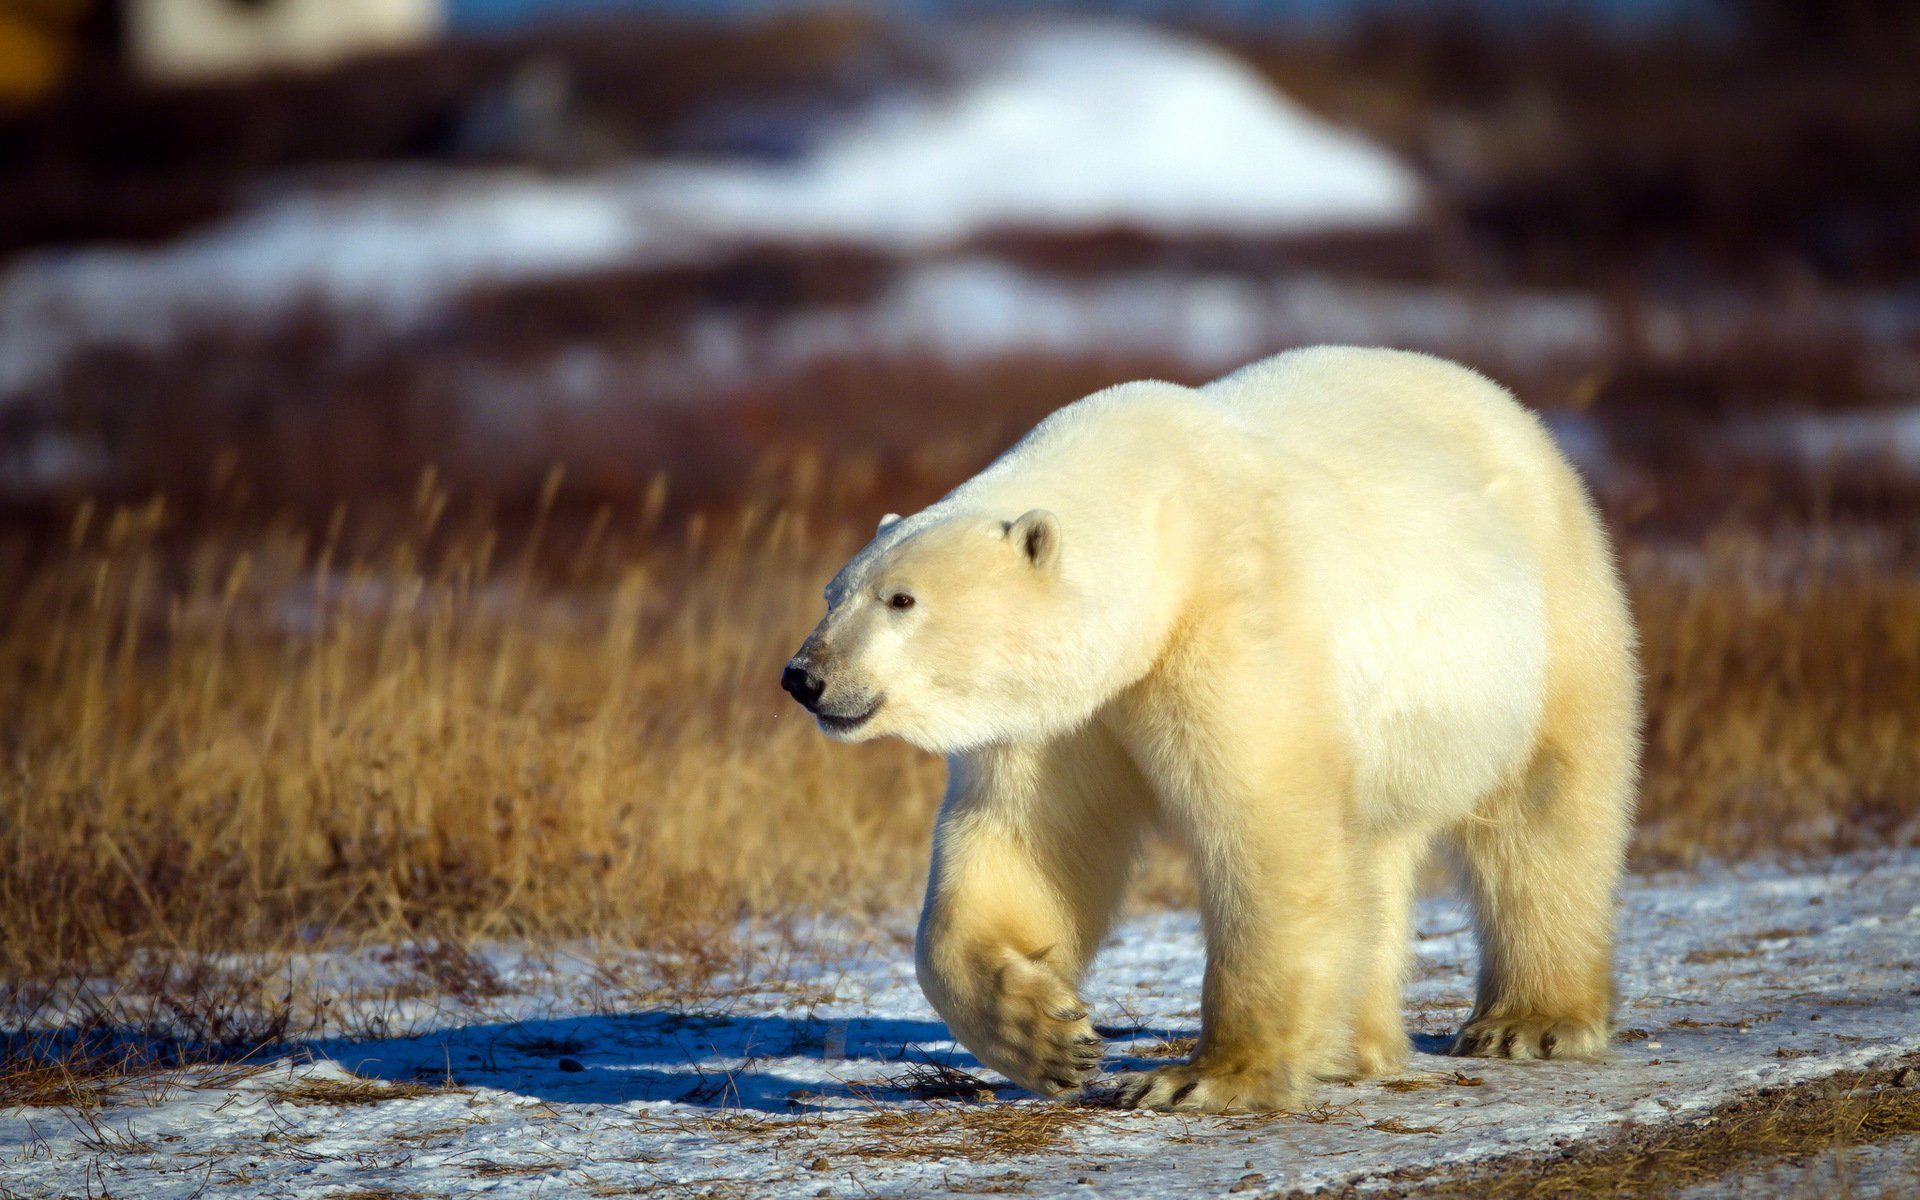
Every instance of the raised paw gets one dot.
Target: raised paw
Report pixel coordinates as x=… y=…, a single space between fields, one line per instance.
x=1528 y=1037
x=1188 y=1087
x=1037 y=1032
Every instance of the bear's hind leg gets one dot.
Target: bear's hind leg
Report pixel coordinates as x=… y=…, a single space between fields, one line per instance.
x=1541 y=862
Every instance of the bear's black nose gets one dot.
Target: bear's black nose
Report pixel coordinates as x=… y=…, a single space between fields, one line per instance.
x=803 y=685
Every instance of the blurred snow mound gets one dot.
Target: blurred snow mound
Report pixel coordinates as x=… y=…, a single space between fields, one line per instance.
x=1053 y=125
x=1072 y=124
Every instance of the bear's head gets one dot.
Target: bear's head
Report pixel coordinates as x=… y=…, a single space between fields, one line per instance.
x=949 y=632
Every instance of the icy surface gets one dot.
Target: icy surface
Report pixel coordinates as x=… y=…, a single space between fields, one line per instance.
x=1759 y=977
x=1057 y=124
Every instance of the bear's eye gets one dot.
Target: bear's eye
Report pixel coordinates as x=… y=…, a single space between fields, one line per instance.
x=900 y=600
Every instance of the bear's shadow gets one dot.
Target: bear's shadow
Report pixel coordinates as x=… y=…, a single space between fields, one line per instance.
x=763 y=1063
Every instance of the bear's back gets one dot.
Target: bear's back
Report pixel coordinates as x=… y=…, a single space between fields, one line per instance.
x=1423 y=504
x=1338 y=405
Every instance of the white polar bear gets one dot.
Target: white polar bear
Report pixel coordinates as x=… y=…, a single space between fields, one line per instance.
x=1310 y=619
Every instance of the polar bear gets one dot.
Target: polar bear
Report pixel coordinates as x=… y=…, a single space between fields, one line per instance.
x=1312 y=619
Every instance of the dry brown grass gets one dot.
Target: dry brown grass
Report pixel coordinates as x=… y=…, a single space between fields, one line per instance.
x=220 y=743
x=930 y=1081
x=929 y=1130
x=77 y=1080
x=1179 y=1047
x=349 y=1091
x=1782 y=701
x=988 y=1131
x=246 y=735
x=1421 y=1083
x=85 y=1074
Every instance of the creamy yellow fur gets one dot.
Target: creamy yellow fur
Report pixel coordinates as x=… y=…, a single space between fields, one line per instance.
x=1312 y=619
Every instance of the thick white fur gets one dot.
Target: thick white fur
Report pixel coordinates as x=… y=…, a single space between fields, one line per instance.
x=1313 y=619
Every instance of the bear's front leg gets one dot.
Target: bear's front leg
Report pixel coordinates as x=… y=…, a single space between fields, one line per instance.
x=1270 y=1023
x=1274 y=859
x=1032 y=850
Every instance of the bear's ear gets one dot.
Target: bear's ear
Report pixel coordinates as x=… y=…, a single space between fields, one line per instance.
x=1038 y=536
x=887 y=522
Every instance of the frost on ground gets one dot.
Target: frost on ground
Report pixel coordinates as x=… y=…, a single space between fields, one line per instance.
x=838 y=1080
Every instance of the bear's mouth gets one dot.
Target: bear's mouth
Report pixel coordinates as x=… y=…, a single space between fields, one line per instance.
x=846 y=724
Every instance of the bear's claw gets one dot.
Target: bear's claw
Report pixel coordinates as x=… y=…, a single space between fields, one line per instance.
x=1530 y=1037
x=1189 y=1088
x=1037 y=1031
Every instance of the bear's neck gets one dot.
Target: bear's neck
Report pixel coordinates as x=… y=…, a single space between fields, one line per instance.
x=1158 y=497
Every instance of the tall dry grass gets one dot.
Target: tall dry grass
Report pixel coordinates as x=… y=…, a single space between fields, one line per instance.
x=246 y=736
x=1783 y=689
x=251 y=735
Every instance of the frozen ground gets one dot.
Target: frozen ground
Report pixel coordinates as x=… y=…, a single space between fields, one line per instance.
x=835 y=1080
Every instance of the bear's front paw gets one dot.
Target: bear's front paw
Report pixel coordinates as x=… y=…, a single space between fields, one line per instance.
x=1190 y=1087
x=1037 y=1032
x=1531 y=1037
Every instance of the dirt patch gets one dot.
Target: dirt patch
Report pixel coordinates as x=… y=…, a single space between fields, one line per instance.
x=940 y=1130
x=1769 y=1125
x=1422 y=1082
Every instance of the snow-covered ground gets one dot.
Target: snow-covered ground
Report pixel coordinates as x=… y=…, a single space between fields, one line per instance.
x=809 y=1082
x=1058 y=124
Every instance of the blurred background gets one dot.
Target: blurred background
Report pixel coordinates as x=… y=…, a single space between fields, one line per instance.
x=329 y=241
x=425 y=424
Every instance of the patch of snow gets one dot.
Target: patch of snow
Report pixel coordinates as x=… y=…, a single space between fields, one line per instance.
x=395 y=247
x=977 y=308
x=785 y=1088
x=973 y=309
x=1056 y=124
x=1887 y=437
x=51 y=460
x=1064 y=124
